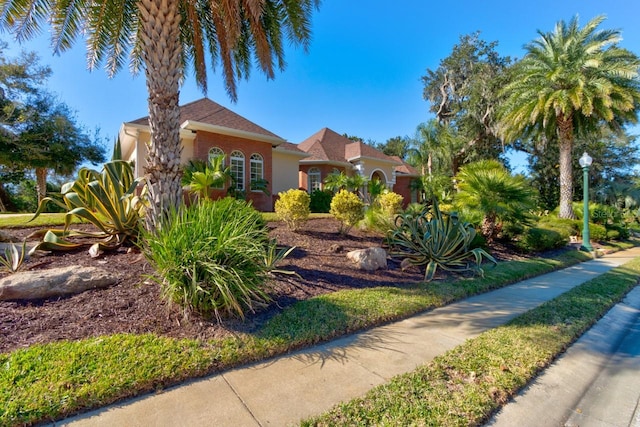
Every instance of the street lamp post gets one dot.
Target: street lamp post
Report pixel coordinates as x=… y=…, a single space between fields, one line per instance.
x=585 y=162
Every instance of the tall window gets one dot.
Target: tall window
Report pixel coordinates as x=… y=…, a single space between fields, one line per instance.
x=213 y=153
x=237 y=169
x=315 y=183
x=256 y=168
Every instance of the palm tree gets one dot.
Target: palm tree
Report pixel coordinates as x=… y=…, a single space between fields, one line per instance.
x=202 y=177
x=568 y=82
x=489 y=192
x=166 y=38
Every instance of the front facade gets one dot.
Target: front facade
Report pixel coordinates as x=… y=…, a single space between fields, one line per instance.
x=209 y=129
x=330 y=152
x=255 y=154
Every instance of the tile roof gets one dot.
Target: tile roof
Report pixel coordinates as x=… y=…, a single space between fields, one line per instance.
x=328 y=145
x=325 y=145
x=288 y=147
x=206 y=111
x=359 y=149
x=405 y=168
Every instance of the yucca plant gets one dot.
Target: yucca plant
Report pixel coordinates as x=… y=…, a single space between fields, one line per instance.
x=106 y=199
x=274 y=254
x=13 y=257
x=436 y=240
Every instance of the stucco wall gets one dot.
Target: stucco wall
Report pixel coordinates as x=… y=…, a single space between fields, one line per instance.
x=285 y=171
x=385 y=169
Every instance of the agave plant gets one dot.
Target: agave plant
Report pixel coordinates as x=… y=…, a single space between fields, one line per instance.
x=13 y=257
x=106 y=199
x=436 y=240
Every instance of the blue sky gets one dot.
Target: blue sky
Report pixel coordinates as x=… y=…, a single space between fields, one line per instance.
x=361 y=75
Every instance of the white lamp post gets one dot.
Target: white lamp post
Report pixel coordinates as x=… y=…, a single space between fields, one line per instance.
x=585 y=161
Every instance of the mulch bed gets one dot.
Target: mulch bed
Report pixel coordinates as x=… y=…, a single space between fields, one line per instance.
x=134 y=304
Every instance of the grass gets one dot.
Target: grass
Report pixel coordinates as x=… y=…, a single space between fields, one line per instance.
x=467 y=384
x=51 y=381
x=20 y=220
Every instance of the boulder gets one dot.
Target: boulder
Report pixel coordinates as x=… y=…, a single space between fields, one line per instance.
x=369 y=259
x=54 y=282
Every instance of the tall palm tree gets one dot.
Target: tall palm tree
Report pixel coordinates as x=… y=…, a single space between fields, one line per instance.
x=167 y=37
x=570 y=80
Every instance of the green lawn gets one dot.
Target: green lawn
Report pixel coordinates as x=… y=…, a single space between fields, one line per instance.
x=466 y=385
x=51 y=381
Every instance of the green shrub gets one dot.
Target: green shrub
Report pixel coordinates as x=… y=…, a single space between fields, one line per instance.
x=621 y=231
x=613 y=234
x=597 y=232
x=377 y=220
x=390 y=203
x=209 y=258
x=292 y=207
x=347 y=208
x=572 y=227
x=538 y=239
x=320 y=201
x=436 y=240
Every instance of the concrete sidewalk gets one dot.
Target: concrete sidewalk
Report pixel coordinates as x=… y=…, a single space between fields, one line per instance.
x=596 y=383
x=286 y=389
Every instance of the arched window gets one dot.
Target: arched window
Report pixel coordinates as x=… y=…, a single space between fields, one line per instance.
x=256 y=168
x=237 y=169
x=213 y=153
x=315 y=180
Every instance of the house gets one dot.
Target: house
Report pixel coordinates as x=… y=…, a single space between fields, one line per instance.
x=253 y=153
x=208 y=129
x=330 y=152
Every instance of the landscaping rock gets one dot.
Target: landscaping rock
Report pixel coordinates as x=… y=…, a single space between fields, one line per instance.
x=54 y=282
x=334 y=249
x=369 y=259
x=5 y=238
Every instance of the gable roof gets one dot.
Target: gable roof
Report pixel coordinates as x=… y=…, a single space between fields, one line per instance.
x=405 y=168
x=204 y=114
x=327 y=145
x=290 y=149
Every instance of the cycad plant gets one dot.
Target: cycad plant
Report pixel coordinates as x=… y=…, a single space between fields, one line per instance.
x=488 y=193
x=436 y=240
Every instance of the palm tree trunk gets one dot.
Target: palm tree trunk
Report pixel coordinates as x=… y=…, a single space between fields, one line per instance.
x=162 y=58
x=41 y=183
x=565 y=130
x=3 y=194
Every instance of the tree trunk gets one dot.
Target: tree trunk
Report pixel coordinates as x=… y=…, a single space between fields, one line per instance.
x=565 y=130
x=162 y=56
x=3 y=194
x=41 y=183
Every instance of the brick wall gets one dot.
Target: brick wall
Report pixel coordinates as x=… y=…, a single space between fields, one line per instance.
x=325 y=170
x=403 y=188
x=204 y=141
